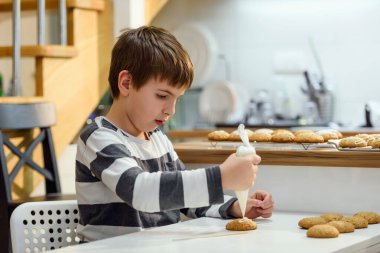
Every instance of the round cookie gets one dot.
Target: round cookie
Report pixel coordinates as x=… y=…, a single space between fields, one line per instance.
x=219 y=135
x=280 y=130
x=371 y=217
x=234 y=136
x=260 y=137
x=322 y=231
x=309 y=138
x=283 y=136
x=357 y=221
x=328 y=134
x=375 y=142
x=303 y=131
x=332 y=216
x=352 y=142
x=342 y=226
x=366 y=137
x=264 y=130
x=241 y=224
x=311 y=221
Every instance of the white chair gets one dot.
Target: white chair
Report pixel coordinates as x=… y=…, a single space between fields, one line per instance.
x=46 y=225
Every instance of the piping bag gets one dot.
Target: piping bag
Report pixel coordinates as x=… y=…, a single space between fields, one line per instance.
x=243 y=150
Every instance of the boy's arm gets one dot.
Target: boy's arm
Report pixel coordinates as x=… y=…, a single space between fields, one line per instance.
x=111 y=164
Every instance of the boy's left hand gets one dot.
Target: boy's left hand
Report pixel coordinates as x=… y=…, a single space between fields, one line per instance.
x=259 y=204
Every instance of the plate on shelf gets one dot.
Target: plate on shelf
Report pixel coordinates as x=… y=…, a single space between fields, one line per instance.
x=217 y=101
x=201 y=45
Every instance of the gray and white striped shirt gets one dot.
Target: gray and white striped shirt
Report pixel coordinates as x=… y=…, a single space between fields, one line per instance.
x=125 y=184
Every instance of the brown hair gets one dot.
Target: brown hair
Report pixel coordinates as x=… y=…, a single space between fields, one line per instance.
x=148 y=52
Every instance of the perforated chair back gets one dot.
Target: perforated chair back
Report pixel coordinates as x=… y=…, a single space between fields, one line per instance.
x=46 y=225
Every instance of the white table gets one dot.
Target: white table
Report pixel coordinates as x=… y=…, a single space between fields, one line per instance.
x=277 y=234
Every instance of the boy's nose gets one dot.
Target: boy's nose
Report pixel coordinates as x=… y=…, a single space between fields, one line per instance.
x=170 y=109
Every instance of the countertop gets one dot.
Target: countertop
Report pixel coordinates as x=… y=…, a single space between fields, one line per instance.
x=291 y=154
x=280 y=233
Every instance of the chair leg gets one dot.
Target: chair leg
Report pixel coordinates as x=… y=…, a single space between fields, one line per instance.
x=5 y=239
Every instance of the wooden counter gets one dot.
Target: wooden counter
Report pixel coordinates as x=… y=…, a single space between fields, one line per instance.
x=204 y=152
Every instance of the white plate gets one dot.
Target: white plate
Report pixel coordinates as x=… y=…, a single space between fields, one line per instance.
x=217 y=101
x=201 y=45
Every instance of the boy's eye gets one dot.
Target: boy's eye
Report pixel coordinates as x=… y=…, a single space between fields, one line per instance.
x=161 y=96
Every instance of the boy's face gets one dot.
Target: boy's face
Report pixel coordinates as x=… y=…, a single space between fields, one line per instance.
x=151 y=105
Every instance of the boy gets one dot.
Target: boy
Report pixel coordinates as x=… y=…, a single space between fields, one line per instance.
x=128 y=176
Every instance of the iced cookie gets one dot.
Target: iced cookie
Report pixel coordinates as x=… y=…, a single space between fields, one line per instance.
x=234 y=136
x=241 y=224
x=219 y=135
x=328 y=134
x=375 y=142
x=311 y=221
x=302 y=131
x=342 y=226
x=357 y=221
x=322 y=231
x=264 y=130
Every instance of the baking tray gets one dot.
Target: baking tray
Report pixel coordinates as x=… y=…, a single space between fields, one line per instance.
x=272 y=145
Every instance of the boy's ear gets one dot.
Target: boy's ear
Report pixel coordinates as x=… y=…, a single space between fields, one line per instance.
x=124 y=82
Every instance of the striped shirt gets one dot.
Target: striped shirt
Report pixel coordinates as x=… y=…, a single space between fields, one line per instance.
x=125 y=184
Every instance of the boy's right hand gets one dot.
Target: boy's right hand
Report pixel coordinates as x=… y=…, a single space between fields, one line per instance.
x=239 y=172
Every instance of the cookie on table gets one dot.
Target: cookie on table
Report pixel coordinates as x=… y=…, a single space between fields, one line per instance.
x=352 y=142
x=241 y=224
x=311 y=221
x=357 y=221
x=328 y=134
x=371 y=217
x=342 y=226
x=219 y=135
x=322 y=231
x=260 y=137
x=309 y=138
x=332 y=216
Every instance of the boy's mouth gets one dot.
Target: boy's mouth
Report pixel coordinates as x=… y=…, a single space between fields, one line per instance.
x=159 y=122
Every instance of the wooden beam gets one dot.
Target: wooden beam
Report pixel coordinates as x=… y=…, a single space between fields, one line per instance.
x=50 y=51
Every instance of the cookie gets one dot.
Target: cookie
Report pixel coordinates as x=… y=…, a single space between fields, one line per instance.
x=366 y=137
x=322 y=231
x=371 y=217
x=303 y=131
x=283 y=136
x=309 y=138
x=219 y=135
x=342 y=226
x=375 y=142
x=357 y=221
x=281 y=131
x=352 y=142
x=328 y=134
x=332 y=216
x=241 y=224
x=234 y=136
x=260 y=137
x=264 y=130
x=311 y=221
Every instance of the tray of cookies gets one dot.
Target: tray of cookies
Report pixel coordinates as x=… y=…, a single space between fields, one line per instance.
x=280 y=139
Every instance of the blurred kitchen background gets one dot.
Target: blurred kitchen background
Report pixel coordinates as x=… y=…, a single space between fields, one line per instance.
x=266 y=49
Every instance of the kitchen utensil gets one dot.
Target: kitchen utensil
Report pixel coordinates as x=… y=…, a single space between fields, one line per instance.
x=246 y=149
